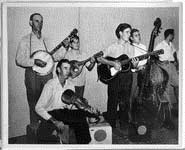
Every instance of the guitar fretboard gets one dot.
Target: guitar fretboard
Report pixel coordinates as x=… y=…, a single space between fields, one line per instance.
x=141 y=57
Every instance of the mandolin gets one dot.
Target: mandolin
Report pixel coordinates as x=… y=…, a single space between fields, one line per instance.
x=77 y=66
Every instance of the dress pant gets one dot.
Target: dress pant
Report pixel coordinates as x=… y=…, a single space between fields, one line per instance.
x=119 y=93
x=173 y=83
x=34 y=84
x=76 y=119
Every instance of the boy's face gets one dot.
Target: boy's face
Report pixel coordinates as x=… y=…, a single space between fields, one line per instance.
x=125 y=35
x=171 y=37
x=75 y=44
x=136 y=38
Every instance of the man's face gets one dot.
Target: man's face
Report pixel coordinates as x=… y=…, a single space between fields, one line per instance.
x=136 y=38
x=65 y=70
x=171 y=37
x=37 y=23
x=75 y=44
x=125 y=35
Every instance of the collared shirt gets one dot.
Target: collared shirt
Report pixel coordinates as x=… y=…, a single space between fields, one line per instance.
x=30 y=44
x=80 y=80
x=50 y=98
x=118 y=48
x=169 y=49
x=140 y=49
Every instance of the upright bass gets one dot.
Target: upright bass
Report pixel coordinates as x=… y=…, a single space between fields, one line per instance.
x=155 y=77
x=154 y=82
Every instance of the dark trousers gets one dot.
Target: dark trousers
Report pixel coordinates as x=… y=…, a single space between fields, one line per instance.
x=76 y=119
x=119 y=93
x=34 y=85
x=79 y=90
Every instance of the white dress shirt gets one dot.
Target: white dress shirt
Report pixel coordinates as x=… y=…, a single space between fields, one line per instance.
x=118 y=48
x=30 y=44
x=50 y=98
x=140 y=49
x=169 y=49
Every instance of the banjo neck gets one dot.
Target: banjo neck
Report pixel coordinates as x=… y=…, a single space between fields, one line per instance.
x=57 y=48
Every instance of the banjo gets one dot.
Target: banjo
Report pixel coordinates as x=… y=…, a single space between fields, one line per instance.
x=48 y=58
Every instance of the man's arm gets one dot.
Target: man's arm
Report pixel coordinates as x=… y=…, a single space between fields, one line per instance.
x=115 y=64
x=43 y=102
x=23 y=55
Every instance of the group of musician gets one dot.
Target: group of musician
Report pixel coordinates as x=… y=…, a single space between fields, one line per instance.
x=50 y=114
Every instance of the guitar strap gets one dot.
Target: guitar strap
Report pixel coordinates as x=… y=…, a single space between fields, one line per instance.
x=30 y=44
x=43 y=43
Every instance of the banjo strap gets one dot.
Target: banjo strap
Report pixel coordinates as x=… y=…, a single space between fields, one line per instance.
x=43 y=43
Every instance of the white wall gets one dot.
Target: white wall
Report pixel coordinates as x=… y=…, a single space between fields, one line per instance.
x=96 y=26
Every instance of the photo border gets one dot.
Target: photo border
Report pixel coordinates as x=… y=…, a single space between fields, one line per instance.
x=4 y=73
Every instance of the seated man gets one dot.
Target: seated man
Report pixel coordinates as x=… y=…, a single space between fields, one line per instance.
x=56 y=114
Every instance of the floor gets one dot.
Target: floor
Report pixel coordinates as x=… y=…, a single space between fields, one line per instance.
x=158 y=134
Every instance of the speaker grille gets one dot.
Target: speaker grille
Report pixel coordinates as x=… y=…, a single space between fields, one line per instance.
x=100 y=135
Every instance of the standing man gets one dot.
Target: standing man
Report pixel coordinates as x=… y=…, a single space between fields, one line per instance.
x=74 y=54
x=168 y=63
x=119 y=88
x=29 y=44
x=55 y=114
x=138 y=73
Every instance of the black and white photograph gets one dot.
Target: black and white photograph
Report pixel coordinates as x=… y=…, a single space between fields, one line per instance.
x=92 y=74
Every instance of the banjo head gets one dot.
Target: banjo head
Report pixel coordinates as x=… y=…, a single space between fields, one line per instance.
x=45 y=57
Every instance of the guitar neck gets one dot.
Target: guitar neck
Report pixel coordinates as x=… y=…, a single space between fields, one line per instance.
x=84 y=61
x=144 y=56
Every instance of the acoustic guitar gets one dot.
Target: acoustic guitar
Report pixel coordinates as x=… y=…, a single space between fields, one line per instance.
x=107 y=73
x=48 y=58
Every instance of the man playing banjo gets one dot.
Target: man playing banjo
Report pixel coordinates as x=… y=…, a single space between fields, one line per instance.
x=29 y=44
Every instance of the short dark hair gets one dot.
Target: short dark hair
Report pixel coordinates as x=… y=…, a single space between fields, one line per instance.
x=32 y=15
x=60 y=63
x=121 y=27
x=168 y=32
x=133 y=31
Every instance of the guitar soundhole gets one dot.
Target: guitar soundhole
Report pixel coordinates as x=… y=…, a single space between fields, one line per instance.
x=126 y=67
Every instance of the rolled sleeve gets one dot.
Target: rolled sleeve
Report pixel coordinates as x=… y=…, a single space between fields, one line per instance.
x=43 y=102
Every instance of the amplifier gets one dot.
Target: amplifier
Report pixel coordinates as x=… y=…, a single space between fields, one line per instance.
x=101 y=133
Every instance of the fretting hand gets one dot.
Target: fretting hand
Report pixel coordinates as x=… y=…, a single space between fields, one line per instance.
x=66 y=42
x=92 y=60
x=135 y=62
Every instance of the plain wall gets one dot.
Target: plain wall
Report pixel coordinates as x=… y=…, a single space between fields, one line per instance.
x=97 y=31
